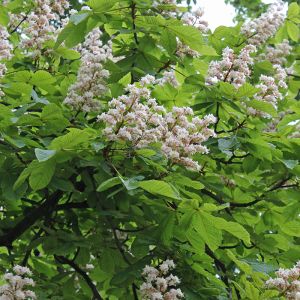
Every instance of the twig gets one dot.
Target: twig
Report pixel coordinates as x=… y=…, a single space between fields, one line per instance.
x=19 y=24
x=34 y=215
x=133 y=16
x=64 y=260
x=240 y=125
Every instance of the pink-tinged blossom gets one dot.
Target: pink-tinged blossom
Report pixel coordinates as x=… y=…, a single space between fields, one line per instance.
x=195 y=19
x=5 y=52
x=16 y=286
x=231 y=68
x=296 y=133
x=182 y=50
x=159 y=283
x=259 y=30
x=90 y=83
x=38 y=27
x=183 y=136
x=138 y=120
x=287 y=282
x=277 y=54
x=269 y=90
x=192 y=19
x=168 y=77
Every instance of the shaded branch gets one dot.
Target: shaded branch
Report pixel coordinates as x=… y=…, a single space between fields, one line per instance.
x=35 y=214
x=19 y=24
x=133 y=16
x=240 y=125
x=66 y=261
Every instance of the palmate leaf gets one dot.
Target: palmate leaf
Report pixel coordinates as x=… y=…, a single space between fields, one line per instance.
x=189 y=35
x=43 y=155
x=203 y=224
x=233 y=228
x=41 y=174
x=71 y=140
x=107 y=184
x=159 y=188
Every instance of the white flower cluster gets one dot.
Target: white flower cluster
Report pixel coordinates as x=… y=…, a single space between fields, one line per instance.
x=287 y=282
x=5 y=51
x=296 y=133
x=168 y=77
x=191 y=19
x=268 y=93
x=15 y=288
x=195 y=19
x=90 y=83
x=259 y=30
x=231 y=68
x=160 y=284
x=137 y=119
x=39 y=26
x=277 y=54
x=182 y=50
x=280 y=76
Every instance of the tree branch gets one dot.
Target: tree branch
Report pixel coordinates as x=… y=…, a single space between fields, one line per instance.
x=34 y=215
x=19 y=24
x=133 y=16
x=66 y=261
x=240 y=125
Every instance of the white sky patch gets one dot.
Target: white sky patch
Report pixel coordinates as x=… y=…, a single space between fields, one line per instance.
x=217 y=13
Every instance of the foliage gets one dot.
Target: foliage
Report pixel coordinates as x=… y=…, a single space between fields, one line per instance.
x=87 y=214
x=245 y=8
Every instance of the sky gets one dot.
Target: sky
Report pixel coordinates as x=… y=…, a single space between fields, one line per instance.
x=218 y=13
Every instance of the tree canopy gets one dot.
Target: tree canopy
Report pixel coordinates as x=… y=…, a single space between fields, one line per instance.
x=144 y=156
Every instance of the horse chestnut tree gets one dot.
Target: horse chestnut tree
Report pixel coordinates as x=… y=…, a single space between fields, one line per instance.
x=144 y=156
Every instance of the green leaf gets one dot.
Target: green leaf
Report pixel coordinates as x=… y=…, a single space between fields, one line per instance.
x=293 y=10
x=209 y=233
x=53 y=117
x=108 y=184
x=71 y=140
x=125 y=80
x=72 y=34
x=291 y=228
x=166 y=228
x=24 y=175
x=68 y=53
x=207 y=50
x=185 y=181
x=233 y=228
x=4 y=16
x=81 y=16
x=246 y=90
x=159 y=188
x=227 y=89
x=262 y=267
x=189 y=35
x=290 y=163
x=41 y=175
x=42 y=79
x=100 y=6
x=240 y=264
x=168 y=41
x=263 y=106
x=43 y=155
x=293 y=31
x=251 y=292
